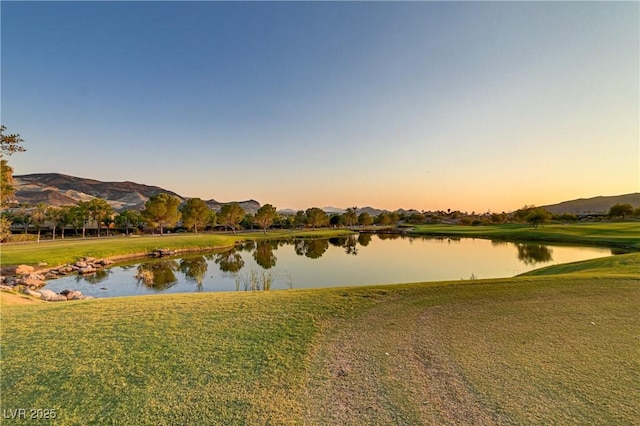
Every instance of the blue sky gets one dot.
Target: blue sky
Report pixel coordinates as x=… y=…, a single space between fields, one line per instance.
x=430 y=105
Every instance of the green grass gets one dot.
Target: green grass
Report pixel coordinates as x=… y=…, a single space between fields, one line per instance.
x=62 y=251
x=623 y=265
x=554 y=346
x=616 y=234
x=551 y=349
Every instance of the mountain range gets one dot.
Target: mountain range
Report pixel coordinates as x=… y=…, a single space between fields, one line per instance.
x=58 y=190
x=600 y=204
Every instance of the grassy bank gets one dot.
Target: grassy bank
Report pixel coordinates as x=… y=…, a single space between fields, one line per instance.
x=61 y=251
x=526 y=350
x=614 y=234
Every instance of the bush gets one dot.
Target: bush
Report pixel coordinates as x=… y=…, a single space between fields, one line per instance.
x=20 y=238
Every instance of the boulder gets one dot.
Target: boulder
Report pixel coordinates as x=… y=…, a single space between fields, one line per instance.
x=74 y=295
x=32 y=280
x=32 y=293
x=65 y=270
x=6 y=287
x=86 y=270
x=51 y=296
x=81 y=264
x=24 y=269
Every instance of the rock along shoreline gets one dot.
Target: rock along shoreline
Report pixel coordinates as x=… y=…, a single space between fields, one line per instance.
x=28 y=280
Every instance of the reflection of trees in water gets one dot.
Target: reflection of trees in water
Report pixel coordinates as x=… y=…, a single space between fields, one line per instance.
x=163 y=273
x=530 y=254
x=96 y=277
x=337 y=241
x=364 y=239
x=385 y=236
x=313 y=249
x=230 y=261
x=195 y=269
x=351 y=245
x=263 y=254
x=247 y=246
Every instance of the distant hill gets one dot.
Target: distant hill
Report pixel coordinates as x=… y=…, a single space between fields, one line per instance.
x=57 y=189
x=594 y=205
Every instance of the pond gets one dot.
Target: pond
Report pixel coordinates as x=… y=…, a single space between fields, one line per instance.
x=307 y=263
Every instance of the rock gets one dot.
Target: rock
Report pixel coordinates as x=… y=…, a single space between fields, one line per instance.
x=32 y=293
x=81 y=264
x=65 y=270
x=51 y=296
x=32 y=280
x=24 y=269
x=89 y=259
x=162 y=252
x=74 y=295
x=6 y=287
x=10 y=281
x=86 y=270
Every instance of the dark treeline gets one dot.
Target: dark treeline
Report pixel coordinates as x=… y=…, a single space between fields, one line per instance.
x=165 y=213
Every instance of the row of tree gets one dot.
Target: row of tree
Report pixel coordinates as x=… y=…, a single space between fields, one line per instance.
x=163 y=211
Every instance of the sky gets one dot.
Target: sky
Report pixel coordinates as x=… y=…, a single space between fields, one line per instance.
x=472 y=106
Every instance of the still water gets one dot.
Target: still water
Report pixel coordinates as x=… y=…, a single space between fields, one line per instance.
x=306 y=263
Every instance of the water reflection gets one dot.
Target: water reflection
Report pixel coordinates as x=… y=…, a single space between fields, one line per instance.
x=99 y=276
x=531 y=254
x=159 y=275
x=364 y=239
x=349 y=243
x=311 y=248
x=230 y=261
x=263 y=254
x=350 y=260
x=195 y=269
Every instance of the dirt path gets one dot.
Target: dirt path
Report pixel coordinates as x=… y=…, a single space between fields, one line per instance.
x=391 y=366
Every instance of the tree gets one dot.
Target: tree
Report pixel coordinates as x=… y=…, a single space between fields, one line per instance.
x=128 y=219
x=9 y=144
x=537 y=216
x=161 y=210
x=6 y=180
x=5 y=228
x=316 y=217
x=621 y=209
x=336 y=220
x=39 y=216
x=351 y=216
x=231 y=215
x=195 y=214
x=520 y=215
x=265 y=216
x=99 y=210
x=300 y=219
x=383 y=219
x=65 y=217
x=247 y=221
x=80 y=216
x=54 y=215
x=213 y=218
x=365 y=219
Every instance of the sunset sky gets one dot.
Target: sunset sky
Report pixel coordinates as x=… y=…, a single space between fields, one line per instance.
x=473 y=106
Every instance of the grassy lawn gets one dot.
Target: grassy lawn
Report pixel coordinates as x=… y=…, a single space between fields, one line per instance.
x=62 y=251
x=619 y=234
x=549 y=349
